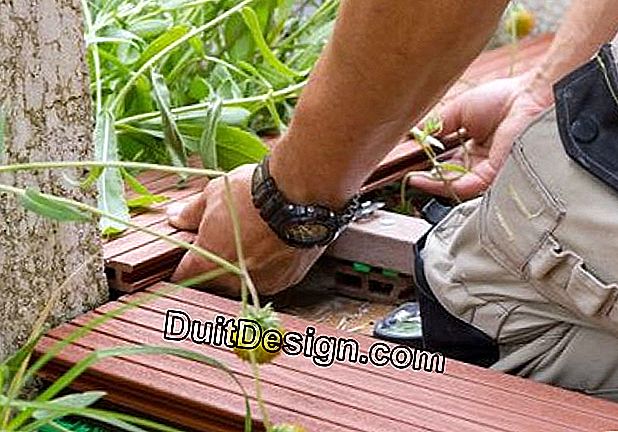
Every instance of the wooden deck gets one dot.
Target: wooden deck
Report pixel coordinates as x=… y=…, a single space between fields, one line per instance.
x=344 y=397
x=137 y=260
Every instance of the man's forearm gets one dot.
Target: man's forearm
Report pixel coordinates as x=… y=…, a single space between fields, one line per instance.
x=586 y=26
x=387 y=63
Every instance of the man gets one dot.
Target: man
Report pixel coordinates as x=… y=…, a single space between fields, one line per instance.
x=521 y=279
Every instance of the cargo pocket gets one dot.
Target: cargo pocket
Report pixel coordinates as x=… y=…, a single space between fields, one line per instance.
x=562 y=277
x=517 y=214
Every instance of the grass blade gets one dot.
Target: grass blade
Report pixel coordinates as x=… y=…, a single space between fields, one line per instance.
x=74 y=372
x=145 y=198
x=121 y=421
x=78 y=400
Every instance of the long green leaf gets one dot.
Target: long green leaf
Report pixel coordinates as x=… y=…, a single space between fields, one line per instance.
x=106 y=39
x=162 y=42
x=231 y=116
x=120 y=421
x=149 y=28
x=237 y=147
x=34 y=201
x=122 y=34
x=252 y=22
x=146 y=201
x=145 y=198
x=173 y=139
x=109 y=184
x=50 y=424
x=208 y=143
x=12 y=364
x=77 y=400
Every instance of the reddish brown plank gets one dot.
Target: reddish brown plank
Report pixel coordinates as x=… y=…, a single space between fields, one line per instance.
x=168 y=396
x=363 y=390
x=288 y=390
x=490 y=379
x=153 y=252
x=350 y=396
x=149 y=176
x=197 y=377
x=138 y=239
x=398 y=386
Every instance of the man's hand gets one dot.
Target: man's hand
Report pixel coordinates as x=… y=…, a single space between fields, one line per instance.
x=494 y=115
x=272 y=264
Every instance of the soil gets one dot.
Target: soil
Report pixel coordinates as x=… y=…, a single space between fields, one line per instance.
x=317 y=299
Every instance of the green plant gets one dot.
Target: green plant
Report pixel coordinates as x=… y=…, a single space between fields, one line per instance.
x=44 y=410
x=176 y=77
x=519 y=23
x=445 y=172
x=268 y=321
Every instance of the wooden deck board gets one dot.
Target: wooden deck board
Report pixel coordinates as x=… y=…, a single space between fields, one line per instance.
x=362 y=389
x=342 y=397
x=466 y=373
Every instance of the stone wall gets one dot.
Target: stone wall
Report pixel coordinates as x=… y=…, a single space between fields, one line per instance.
x=45 y=95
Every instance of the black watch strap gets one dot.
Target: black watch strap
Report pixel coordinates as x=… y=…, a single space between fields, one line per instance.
x=279 y=212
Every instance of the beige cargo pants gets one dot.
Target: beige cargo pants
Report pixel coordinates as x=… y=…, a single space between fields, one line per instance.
x=534 y=265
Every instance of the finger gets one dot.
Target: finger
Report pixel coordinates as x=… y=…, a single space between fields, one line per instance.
x=187 y=216
x=452 y=115
x=470 y=185
x=193 y=267
x=426 y=182
x=479 y=111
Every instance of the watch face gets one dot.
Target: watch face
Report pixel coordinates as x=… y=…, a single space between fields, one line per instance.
x=309 y=233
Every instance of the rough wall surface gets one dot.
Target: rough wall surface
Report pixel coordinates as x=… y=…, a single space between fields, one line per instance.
x=44 y=86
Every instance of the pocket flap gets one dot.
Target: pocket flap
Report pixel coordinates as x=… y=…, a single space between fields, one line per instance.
x=587 y=108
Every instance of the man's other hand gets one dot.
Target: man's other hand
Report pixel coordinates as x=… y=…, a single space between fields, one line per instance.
x=494 y=115
x=272 y=264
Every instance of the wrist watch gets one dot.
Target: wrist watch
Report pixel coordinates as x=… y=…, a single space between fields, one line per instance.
x=298 y=225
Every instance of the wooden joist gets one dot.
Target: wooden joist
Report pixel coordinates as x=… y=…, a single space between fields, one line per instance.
x=344 y=397
x=136 y=260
